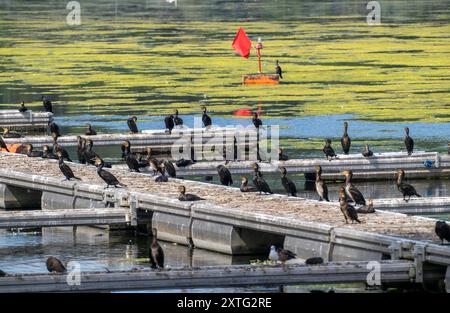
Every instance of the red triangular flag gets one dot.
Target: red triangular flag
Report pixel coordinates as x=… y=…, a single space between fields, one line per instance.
x=241 y=43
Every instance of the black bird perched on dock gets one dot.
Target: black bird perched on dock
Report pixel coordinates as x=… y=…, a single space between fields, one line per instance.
x=131 y=122
x=154 y=164
x=183 y=196
x=90 y=155
x=48 y=107
x=162 y=178
x=65 y=169
x=245 y=187
x=57 y=148
x=177 y=120
x=90 y=131
x=169 y=123
x=321 y=186
x=314 y=261
x=2 y=274
x=54 y=129
x=156 y=254
x=278 y=69
x=282 y=255
x=442 y=230
x=31 y=153
x=328 y=150
x=409 y=142
x=258 y=181
x=348 y=210
x=367 y=153
x=352 y=192
x=288 y=184
x=55 y=265
x=366 y=209
x=345 y=140
x=170 y=169
x=405 y=189
x=224 y=175
x=256 y=120
x=109 y=178
x=130 y=160
x=281 y=155
x=80 y=150
x=47 y=153
x=22 y=107
x=207 y=122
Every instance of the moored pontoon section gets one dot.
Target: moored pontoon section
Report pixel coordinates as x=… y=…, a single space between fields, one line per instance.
x=26 y=121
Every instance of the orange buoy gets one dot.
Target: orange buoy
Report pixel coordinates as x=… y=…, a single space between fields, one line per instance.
x=15 y=148
x=261 y=79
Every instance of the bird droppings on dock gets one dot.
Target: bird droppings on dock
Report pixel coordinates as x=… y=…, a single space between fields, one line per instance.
x=281 y=206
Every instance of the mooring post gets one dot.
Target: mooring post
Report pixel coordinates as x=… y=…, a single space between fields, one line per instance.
x=419 y=258
x=332 y=241
x=396 y=250
x=447 y=280
x=132 y=215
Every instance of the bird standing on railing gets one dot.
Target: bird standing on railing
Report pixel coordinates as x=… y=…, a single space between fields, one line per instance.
x=278 y=69
x=328 y=150
x=224 y=175
x=206 y=119
x=131 y=122
x=90 y=131
x=321 y=186
x=352 y=192
x=258 y=181
x=366 y=152
x=348 y=210
x=409 y=142
x=22 y=107
x=54 y=130
x=281 y=155
x=177 y=120
x=156 y=254
x=256 y=121
x=405 y=189
x=345 y=140
x=169 y=123
x=442 y=230
x=287 y=183
x=48 y=107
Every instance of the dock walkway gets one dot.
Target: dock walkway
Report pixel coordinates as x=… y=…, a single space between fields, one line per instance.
x=26 y=121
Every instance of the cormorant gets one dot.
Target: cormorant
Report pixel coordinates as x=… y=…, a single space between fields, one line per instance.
x=367 y=152
x=321 y=186
x=64 y=153
x=156 y=254
x=352 y=192
x=281 y=155
x=405 y=189
x=90 y=155
x=131 y=161
x=162 y=178
x=259 y=182
x=183 y=196
x=442 y=230
x=3 y=144
x=347 y=209
x=366 y=209
x=47 y=104
x=256 y=121
x=54 y=129
x=80 y=150
x=314 y=261
x=177 y=120
x=170 y=169
x=328 y=150
x=245 y=187
x=278 y=69
x=288 y=184
x=224 y=175
x=282 y=255
x=109 y=178
x=22 y=107
x=47 y=153
x=90 y=131
x=206 y=119
x=168 y=121
x=345 y=140
x=131 y=122
x=409 y=142
x=2 y=274
x=153 y=163
x=55 y=265
x=31 y=153
x=65 y=169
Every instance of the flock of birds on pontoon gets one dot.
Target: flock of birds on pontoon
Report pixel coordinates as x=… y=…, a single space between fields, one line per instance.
x=349 y=195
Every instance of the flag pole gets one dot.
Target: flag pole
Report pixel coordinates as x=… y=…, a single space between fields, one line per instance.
x=259 y=46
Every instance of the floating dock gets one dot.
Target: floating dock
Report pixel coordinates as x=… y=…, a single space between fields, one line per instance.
x=228 y=221
x=391 y=272
x=26 y=121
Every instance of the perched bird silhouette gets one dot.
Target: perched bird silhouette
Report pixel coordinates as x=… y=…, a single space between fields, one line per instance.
x=409 y=142
x=345 y=140
x=282 y=255
x=404 y=188
x=366 y=152
x=328 y=150
x=206 y=119
x=131 y=122
x=224 y=175
x=321 y=186
x=169 y=123
x=130 y=160
x=278 y=69
x=107 y=177
x=259 y=182
x=352 y=192
x=183 y=196
x=442 y=230
x=245 y=187
x=281 y=155
x=90 y=131
x=156 y=253
x=22 y=108
x=47 y=153
x=54 y=129
x=177 y=120
x=256 y=120
x=65 y=169
x=347 y=209
x=288 y=184
x=48 y=107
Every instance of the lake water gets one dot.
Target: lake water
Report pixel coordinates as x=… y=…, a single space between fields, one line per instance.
x=147 y=58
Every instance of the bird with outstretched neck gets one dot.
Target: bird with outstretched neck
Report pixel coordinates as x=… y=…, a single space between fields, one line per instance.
x=130 y=160
x=409 y=142
x=65 y=169
x=48 y=107
x=347 y=210
x=169 y=123
x=177 y=120
x=287 y=183
x=107 y=177
x=131 y=122
x=156 y=253
x=404 y=188
x=321 y=186
x=278 y=69
x=345 y=140
x=259 y=182
x=206 y=119
x=328 y=150
x=351 y=191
